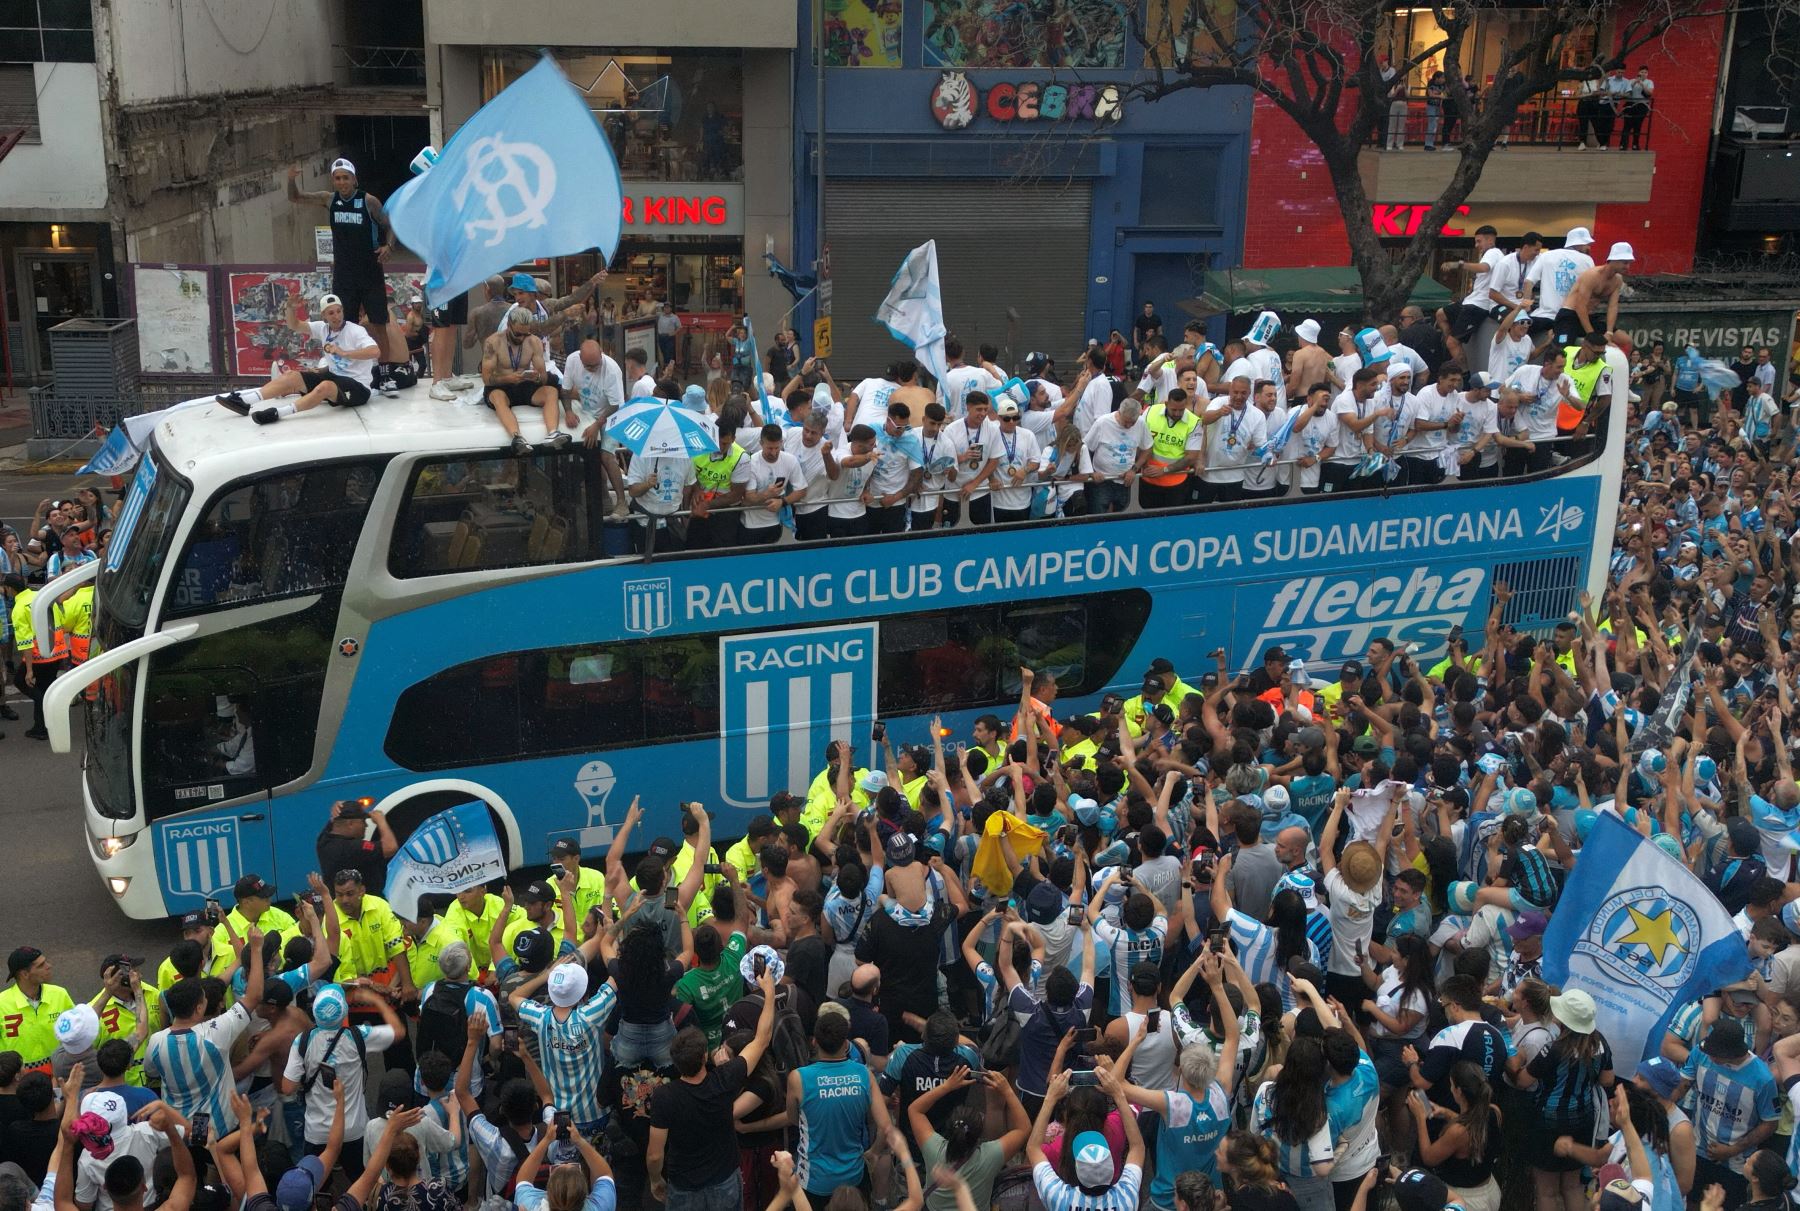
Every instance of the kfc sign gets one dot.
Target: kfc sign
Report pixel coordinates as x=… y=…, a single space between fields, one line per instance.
x=1401 y=219
x=683 y=208
x=955 y=101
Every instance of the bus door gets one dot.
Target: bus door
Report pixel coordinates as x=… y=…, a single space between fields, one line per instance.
x=205 y=763
x=782 y=696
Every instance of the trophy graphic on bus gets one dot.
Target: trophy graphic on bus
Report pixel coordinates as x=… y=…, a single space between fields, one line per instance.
x=594 y=783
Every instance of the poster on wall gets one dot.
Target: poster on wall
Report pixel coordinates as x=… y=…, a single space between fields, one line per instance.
x=862 y=33
x=261 y=342
x=174 y=318
x=640 y=337
x=1025 y=33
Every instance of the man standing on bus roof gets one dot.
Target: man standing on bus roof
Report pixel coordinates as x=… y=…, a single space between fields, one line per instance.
x=766 y=483
x=342 y=377
x=1604 y=282
x=344 y=842
x=513 y=376
x=361 y=241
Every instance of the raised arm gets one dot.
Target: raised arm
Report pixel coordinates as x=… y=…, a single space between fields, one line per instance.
x=696 y=871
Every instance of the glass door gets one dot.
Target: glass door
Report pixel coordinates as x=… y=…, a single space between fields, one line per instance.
x=53 y=286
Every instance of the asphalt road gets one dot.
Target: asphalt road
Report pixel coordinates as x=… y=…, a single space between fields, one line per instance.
x=50 y=895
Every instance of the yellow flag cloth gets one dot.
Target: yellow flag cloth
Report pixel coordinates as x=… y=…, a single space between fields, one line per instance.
x=1026 y=839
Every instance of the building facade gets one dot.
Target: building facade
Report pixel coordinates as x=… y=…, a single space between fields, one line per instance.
x=696 y=98
x=1541 y=180
x=1015 y=136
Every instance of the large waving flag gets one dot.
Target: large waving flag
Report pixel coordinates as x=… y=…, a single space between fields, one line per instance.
x=450 y=852
x=530 y=175
x=914 y=309
x=1642 y=935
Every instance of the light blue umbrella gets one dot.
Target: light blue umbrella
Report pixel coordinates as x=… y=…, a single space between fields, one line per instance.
x=659 y=428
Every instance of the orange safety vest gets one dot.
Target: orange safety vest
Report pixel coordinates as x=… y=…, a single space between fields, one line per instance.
x=1043 y=711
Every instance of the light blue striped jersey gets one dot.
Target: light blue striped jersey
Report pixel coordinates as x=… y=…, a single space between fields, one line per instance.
x=194 y=1066
x=1294 y=1160
x=1058 y=1195
x=1727 y=1102
x=1256 y=951
x=573 y=1052
x=1127 y=948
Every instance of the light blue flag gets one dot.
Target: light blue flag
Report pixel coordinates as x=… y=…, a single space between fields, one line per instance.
x=1271 y=450
x=453 y=850
x=530 y=175
x=1640 y=933
x=914 y=309
x=774 y=412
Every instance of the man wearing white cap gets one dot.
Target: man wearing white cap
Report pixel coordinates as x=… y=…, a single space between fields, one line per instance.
x=361 y=240
x=1601 y=283
x=1311 y=364
x=1553 y=275
x=342 y=378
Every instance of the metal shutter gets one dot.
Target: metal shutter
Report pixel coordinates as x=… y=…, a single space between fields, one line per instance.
x=999 y=245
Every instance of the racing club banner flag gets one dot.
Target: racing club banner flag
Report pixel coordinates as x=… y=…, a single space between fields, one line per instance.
x=450 y=852
x=1641 y=934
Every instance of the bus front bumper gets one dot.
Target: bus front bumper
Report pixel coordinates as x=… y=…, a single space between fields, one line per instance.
x=125 y=860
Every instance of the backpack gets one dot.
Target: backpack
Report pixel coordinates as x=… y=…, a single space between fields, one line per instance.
x=1000 y=1041
x=444 y=1021
x=789 y=1045
x=1121 y=391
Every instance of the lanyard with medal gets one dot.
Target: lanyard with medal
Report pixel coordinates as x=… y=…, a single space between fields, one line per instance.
x=1237 y=422
x=1012 y=446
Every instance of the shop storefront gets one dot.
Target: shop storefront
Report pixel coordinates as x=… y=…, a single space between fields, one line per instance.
x=1059 y=202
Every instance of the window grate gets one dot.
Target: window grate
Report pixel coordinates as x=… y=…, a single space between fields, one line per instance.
x=1544 y=590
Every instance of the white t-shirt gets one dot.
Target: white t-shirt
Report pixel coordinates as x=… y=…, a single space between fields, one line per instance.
x=1352 y=916
x=1345 y=366
x=1231 y=441
x=938 y=455
x=1392 y=430
x=1266 y=363
x=1389 y=999
x=812 y=466
x=1539 y=400
x=1040 y=423
x=597 y=392
x=1308 y=440
x=320 y=1102
x=1480 y=418
x=139 y=1140
x=1350 y=448
x=1018 y=450
x=1554 y=274
x=758 y=474
x=972 y=449
x=1432 y=405
x=668 y=479
x=963 y=379
x=871 y=403
x=1508 y=277
x=1068 y=471
x=1405 y=355
x=1484 y=279
x=1507 y=356
x=1260 y=476
x=1158 y=383
x=1096 y=400
x=350 y=338
x=643 y=388
x=1113 y=447
x=845 y=492
x=895 y=459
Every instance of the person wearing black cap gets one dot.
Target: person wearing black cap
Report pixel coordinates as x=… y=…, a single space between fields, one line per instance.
x=1738 y=1107
x=29 y=1008
x=590 y=884
x=254 y=896
x=345 y=844
x=1272 y=675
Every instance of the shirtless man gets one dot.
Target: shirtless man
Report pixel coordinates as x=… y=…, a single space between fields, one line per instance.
x=1310 y=364
x=1602 y=282
x=512 y=372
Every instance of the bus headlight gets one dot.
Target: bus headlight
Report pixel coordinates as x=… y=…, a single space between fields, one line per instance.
x=110 y=847
x=117 y=885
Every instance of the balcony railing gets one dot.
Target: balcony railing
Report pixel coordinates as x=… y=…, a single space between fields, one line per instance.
x=1548 y=121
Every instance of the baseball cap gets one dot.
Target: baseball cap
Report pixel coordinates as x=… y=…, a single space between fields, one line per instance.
x=1619 y=1193
x=77 y=1028
x=1301 y=883
x=1159 y=666
x=1310 y=737
x=194 y=920
x=253 y=885
x=1747 y=990
x=294 y=1192
x=1521 y=801
x=1087 y=812
x=873 y=782
x=1006 y=407
x=1479 y=380
x=1461 y=896
x=1417 y=1190
x=1093 y=1160
x=900 y=849
x=329 y=1007
x=568 y=984
x=1662 y=1076
x=1365 y=744
x=1578 y=237
x=119 y=960
x=523 y=281
x=1743 y=835
x=21 y=960
x=1044 y=903
x=663 y=849
x=566 y=847
x=533 y=949
x=1528 y=925
x=342 y=165
x=1035 y=362
x=538 y=891
x=110 y=1107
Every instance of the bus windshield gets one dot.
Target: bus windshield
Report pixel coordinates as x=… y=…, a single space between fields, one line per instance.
x=140 y=548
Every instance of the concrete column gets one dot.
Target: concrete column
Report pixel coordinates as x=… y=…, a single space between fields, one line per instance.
x=768 y=183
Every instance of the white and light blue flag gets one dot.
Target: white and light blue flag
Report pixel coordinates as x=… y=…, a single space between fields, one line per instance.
x=914 y=309
x=530 y=175
x=1641 y=934
x=1271 y=450
x=450 y=852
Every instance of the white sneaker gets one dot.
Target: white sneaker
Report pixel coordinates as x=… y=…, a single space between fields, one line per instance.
x=621 y=509
x=441 y=391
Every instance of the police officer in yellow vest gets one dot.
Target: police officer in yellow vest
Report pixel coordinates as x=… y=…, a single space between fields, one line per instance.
x=37 y=672
x=75 y=614
x=1176 y=439
x=1585 y=366
x=712 y=480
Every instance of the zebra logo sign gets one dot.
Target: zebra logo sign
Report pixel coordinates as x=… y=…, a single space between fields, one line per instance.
x=649 y=605
x=783 y=694
x=201 y=857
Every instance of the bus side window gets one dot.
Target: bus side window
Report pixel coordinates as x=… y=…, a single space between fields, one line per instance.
x=497 y=511
x=283 y=534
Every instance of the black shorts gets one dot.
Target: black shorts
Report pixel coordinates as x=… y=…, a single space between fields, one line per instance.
x=350 y=393
x=518 y=395
x=1538 y=325
x=455 y=312
x=1466 y=320
x=1568 y=327
x=359 y=297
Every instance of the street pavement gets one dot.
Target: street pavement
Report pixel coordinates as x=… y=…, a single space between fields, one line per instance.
x=50 y=895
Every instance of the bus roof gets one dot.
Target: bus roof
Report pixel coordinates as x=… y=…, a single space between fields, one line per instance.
x=203 y=432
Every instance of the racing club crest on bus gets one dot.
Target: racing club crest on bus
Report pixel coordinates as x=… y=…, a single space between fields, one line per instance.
x=649 y=605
